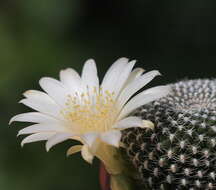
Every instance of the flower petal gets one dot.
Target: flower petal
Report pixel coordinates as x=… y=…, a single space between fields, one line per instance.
x=135 y=86
x=148 y=124
x=89 y=74
x=111 y=137
x=123 y=77
x=58 y=138
x=33 y=117
x=36 y=94
x=41 y=102
x=38 y=128
x=55 y=89
x=89 y=138
x=86 y=154
x=36 y=137
x=129 y=122
x=71 y=79
x=137 y=72
x=95 y=146
x=111 y=77
x=74 y=149
x=144 y=98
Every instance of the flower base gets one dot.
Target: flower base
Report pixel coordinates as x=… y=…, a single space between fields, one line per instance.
x=104 y=178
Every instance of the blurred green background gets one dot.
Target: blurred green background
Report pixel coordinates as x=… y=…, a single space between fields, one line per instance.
x=38 y=38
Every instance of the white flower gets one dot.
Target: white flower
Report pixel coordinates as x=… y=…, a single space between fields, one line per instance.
x=77 y=107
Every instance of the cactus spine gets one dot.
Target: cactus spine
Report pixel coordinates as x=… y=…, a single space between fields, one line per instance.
x=180 y=152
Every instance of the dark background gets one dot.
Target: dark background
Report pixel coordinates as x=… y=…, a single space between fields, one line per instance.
x=38 y=38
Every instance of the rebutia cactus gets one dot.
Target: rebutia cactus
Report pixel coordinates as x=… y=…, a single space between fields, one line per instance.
x=180 y=152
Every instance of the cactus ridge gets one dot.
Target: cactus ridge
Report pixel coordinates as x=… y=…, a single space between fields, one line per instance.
x=180 y=152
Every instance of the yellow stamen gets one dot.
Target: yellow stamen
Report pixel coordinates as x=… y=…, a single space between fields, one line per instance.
x=91 y=112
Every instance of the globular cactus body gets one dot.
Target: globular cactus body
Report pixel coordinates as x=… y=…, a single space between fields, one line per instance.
x=180 y=152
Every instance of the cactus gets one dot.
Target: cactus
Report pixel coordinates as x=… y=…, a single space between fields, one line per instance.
x=180 y=152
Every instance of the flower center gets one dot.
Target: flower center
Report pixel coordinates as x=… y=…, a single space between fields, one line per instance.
x=91 y=111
